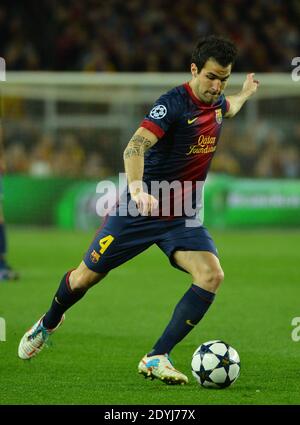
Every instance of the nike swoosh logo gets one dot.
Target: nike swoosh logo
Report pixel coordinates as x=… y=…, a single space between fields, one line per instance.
x=188 y=322
x=191 y=121
x=57 y=301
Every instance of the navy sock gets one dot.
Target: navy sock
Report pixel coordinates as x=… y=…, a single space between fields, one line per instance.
x=188 y=312
x=2 y=245
x=63 y=299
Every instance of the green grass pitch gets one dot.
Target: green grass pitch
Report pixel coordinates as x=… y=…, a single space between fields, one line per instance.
x=93 y=357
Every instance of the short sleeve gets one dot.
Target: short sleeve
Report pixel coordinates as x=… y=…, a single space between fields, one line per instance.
x=225 y=105
x=165 y=112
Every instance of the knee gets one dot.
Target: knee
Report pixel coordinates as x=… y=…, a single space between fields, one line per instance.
x=82 y=280
x=209 y=278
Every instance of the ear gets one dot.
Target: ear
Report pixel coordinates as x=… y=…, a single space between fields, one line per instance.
x=194 y=70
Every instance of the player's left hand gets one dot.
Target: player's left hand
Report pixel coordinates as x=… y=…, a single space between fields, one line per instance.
x=250 y=85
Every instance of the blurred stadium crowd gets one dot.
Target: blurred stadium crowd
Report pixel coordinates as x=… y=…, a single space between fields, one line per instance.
x=158 y=35
x=69 y=154
x=133 y=36
x=266 y=152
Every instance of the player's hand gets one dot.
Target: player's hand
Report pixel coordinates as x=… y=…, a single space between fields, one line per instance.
x=250 y=85
x=145 y=202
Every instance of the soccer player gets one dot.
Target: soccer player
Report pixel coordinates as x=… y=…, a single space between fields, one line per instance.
x=175 y=142
x=6 y=272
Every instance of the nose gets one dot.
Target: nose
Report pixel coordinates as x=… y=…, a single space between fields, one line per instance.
x=216 y=86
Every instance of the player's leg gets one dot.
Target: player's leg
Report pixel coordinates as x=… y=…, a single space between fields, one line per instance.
x=206 y=272
x=193 y=251
x=113 y=245
x=72 y=288
x=203 y=266
x=6 y=272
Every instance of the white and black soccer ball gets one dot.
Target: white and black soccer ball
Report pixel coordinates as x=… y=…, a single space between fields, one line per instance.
x=216 y=364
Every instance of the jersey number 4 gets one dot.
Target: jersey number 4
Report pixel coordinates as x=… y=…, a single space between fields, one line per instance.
x=104 y=243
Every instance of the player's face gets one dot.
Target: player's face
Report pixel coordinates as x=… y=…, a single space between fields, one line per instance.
x=210 y=82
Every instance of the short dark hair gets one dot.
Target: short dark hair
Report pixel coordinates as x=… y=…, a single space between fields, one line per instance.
x=220 y=49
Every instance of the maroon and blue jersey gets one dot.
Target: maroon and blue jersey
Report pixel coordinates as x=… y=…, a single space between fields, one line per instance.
x=188 y=129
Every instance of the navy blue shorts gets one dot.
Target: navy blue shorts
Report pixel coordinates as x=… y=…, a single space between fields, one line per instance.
x=122 y=238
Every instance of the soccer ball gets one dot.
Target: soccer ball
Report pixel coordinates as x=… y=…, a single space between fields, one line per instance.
x=215 y=364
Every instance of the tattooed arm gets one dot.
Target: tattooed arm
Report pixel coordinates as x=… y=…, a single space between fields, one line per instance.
x=133 y=156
